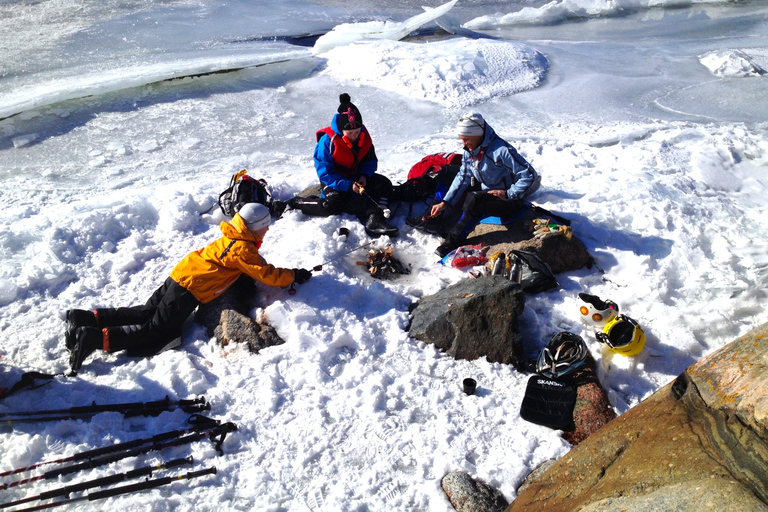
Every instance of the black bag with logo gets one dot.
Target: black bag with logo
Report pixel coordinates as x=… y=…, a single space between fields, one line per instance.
x=549 y=402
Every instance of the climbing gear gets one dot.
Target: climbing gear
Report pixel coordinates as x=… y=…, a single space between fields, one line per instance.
x=106 y=455
x=146 y=471
x=126 y=489
x=563 y=355
x=623 y=335
x=595 y=312
x=126 y=409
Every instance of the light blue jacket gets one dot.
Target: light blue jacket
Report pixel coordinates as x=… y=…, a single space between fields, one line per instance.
x=496 y=165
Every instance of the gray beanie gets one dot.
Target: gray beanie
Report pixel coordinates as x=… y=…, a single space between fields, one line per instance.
x=471 y=124
x=255 y=215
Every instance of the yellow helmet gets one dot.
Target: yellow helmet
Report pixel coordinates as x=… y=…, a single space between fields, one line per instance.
x=623 y=335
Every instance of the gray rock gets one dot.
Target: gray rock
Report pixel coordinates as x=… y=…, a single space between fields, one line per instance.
x=469 y=495
x=227 y=318
x=473 y=318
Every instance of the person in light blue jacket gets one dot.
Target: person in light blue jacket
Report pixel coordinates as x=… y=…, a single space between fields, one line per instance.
x=494 y=176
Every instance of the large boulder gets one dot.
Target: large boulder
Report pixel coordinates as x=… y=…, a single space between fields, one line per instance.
x=561 y=253
x=473 y=318
x=700 y=442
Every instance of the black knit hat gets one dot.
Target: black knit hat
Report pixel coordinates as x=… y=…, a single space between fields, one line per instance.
x=349 y=116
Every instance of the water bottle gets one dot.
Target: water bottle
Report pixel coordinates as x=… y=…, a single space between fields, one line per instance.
x=516 y=274
x=499 y=265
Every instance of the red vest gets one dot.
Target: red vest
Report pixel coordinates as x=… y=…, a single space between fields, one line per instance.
x=345 y=160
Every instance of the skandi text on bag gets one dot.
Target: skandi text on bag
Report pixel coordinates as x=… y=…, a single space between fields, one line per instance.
x=549 y=402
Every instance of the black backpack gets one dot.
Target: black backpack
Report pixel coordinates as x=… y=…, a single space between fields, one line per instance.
x=536 y=274
x=243 y=189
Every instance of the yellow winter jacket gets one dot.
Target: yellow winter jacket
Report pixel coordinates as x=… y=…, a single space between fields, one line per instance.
x=210 y=271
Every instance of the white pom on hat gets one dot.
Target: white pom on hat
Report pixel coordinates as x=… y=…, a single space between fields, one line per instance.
x=255 y=215
x=471 y=124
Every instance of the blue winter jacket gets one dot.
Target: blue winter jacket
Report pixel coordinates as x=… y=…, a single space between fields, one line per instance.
x=326 y=169
x=500 y=167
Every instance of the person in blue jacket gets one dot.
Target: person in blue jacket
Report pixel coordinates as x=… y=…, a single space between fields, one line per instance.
x=494 y=176
x=346 y=165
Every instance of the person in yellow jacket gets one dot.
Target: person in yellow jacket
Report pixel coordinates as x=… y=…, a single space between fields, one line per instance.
x=199 y=278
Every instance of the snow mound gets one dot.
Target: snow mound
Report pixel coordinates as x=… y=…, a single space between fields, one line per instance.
x=735 y=63
x=453 y=73
x=559 y=11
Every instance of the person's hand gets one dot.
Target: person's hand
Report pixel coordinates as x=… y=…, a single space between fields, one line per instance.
x=301 y=275
x=363 y=181
x=501 y=194
x=437 y=209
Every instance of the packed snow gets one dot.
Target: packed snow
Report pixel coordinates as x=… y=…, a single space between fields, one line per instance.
x=647 y=123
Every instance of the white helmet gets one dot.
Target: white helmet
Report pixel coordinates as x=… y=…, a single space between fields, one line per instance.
x=595 y=312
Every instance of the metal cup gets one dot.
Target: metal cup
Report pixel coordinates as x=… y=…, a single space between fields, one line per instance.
x=469 y=386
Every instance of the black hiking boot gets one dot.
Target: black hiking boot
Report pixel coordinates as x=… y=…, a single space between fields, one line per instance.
x=87 y=341
x=429 y=225
x=377 y=226
x=77 y=318
x=277 y=208
x=450 y=243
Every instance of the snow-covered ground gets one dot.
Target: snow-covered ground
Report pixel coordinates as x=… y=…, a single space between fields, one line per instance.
x=646 y=119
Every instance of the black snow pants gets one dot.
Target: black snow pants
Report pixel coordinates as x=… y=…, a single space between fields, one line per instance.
x=152 y=326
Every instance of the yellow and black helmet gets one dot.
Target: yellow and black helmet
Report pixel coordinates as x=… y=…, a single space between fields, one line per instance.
x=623 y=335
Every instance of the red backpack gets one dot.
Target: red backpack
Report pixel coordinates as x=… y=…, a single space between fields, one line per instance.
x=424 y=177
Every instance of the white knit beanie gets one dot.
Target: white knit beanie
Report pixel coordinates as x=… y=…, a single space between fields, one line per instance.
x=471 y=124
x=255 y=215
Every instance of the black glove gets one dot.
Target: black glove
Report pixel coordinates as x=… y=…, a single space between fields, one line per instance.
x=301 y=275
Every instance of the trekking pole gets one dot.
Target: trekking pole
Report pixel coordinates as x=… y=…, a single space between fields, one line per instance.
x=318 y=268
x=101 y=482
x=125 y=489
x=95 y=409
x=128 y=410
x=201 y=423
x=221 y=430
x=206 y=426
